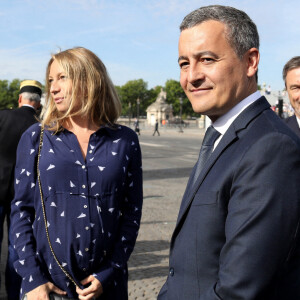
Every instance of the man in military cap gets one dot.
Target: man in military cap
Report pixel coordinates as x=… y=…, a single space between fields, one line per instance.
x=13 y=122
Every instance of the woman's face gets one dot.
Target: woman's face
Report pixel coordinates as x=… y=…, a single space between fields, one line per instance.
x=60 y=87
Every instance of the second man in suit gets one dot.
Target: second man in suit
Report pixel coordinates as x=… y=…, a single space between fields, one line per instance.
x=291 y=77
x=237 y=232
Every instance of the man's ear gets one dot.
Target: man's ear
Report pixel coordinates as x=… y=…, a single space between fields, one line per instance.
x=252 y=59
x=20 y=100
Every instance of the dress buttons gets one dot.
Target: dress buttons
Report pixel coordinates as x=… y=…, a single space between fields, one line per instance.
x=83 y=186
x=91 y=151
x=84 y=269
x=85 y=206
x=86 y=249
x=83 y=167
x=171 y=272
x=87 y=228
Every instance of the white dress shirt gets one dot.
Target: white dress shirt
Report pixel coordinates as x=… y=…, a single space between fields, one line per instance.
x=223 y=123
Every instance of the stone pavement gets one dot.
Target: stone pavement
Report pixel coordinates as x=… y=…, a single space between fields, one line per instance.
x=167 y=162
x=163 y=190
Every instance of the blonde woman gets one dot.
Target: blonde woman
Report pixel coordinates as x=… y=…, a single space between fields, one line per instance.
x=90 y=185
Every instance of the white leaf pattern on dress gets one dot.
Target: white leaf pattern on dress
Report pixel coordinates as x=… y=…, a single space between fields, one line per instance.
x=50 y=167
x=72 y=184
x=81 y=216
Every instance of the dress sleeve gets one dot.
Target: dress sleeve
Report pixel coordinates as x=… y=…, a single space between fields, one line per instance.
x=130 y=218
x=23 y=211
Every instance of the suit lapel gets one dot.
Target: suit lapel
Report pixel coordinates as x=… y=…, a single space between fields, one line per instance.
x=295 y=125
x=229 y=137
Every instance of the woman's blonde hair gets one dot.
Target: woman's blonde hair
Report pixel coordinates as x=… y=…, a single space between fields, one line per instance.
x=91 y=85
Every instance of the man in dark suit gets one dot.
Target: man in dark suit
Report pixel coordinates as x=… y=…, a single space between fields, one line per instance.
x=291 y=77
x=13 y=122
x=237 y=232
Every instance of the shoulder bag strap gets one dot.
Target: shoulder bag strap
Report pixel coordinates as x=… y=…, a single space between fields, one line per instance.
x=44 y=210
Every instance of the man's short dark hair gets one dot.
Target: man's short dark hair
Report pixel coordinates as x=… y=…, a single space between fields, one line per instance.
x=241 y=32
x=293 y=63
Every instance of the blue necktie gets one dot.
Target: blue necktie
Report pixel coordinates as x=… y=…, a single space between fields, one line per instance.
x=210 y=137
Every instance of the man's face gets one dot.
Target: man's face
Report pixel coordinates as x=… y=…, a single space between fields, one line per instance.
x=293 y=88
x=212 y=76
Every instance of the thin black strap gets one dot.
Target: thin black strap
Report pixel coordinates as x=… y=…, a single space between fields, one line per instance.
x=44 y=210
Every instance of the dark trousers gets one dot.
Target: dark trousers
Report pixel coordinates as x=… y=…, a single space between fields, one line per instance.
x=156 y=130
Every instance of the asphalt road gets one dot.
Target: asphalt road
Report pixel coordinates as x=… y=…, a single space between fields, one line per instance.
x=167 y=163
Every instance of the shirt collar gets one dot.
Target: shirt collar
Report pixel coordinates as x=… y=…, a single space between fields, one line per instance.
x=223 y=123
x=28 y=105
x=298 y=120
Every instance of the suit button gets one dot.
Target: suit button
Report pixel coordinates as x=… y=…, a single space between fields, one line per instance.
x=171 y=272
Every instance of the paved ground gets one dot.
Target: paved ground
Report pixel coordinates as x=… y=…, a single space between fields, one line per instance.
x=167 y=162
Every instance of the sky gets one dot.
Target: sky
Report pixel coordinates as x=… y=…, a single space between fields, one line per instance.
x=134 y=38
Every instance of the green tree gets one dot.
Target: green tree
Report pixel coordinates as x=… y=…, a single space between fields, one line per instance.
x=152 y=94
x=174 y=93
x=129 y=93
x=9 y=93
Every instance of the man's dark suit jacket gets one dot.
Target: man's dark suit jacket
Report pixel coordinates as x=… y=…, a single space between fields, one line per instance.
x=237 y=233
x=13 y=122
x=293 y=124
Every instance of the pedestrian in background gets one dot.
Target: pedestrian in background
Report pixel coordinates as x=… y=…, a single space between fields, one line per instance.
x=237 y=232
x=76 y=220
x=137 y=127
x=13 y=122
x=156 y=128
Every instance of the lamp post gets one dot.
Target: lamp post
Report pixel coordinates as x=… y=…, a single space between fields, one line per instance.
x=138 y=108
x=180 y=125
x=129 y=105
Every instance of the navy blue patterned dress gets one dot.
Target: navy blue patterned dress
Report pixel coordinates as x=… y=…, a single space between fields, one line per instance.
x=93 y=208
